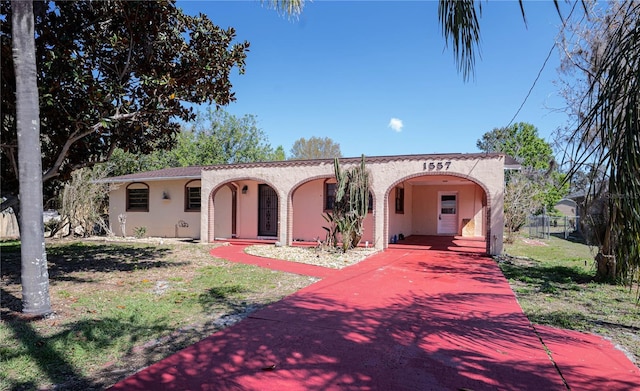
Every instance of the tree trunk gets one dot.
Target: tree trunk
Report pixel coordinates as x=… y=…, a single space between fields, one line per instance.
x=605 y=267
x=34 y=275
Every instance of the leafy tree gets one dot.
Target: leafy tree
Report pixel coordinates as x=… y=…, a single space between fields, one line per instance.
x=520 y=141
x=106 y=75
x=34 y=274
x=216 y=138
x=221 y=138
x=546 y=187
x=602 y=61
x=315 y=148
x=116 y=74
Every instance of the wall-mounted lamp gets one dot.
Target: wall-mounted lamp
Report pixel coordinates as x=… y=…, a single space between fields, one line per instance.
x=165 y=195
x=244 y=189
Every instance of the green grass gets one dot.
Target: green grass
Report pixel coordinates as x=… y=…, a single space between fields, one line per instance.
x=108 y=307
x=553 y=280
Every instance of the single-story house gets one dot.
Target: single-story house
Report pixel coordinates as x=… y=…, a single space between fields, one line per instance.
x=430 y=194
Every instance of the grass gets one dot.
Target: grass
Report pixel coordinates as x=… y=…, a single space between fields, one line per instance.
x=553 y=281
x=120 y=307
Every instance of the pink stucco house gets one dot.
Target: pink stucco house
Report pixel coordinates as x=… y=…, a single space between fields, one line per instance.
x=436 y=194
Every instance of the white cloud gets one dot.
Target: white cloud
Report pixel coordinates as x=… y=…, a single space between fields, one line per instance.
x=396 y=124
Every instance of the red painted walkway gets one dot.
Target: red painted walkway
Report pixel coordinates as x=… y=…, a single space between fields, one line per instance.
x=409 y=318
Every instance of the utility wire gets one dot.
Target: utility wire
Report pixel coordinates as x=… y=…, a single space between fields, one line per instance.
x=564 y=24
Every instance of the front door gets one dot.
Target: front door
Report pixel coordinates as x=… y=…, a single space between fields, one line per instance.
x=447 y=213
x=267 y=211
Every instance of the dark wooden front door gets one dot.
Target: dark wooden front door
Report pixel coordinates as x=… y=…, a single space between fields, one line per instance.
x=267 y=211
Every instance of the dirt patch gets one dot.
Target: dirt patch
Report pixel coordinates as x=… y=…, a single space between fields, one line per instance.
x=534 y=242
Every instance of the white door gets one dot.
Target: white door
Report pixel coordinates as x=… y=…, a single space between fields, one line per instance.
x=447 y=213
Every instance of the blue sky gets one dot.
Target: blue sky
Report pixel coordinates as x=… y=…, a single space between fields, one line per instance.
x=376 y=77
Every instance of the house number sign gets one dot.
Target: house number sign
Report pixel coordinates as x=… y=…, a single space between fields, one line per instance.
x=436 y=165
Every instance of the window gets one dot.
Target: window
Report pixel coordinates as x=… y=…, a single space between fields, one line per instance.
x=329 y=195
x=137 y=197
x=448 y=204
x=399 y=200
x=192 y=196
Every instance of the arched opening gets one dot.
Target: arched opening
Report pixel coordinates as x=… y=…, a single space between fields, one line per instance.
x=441 y=211
x=309 y=201
x=244 y=208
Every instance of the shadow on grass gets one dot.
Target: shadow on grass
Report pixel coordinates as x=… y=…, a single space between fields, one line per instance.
x=79 y=257
x=548 y=279
x=574 y=237
x=84 y=339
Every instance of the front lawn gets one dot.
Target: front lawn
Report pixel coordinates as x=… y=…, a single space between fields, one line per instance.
x=122 y=306
x=553 y=281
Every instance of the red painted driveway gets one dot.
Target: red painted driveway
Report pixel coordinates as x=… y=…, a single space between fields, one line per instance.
x=409 y=318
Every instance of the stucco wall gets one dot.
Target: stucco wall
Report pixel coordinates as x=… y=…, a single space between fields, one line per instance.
x=164 y=216
x=285 y=177
x=248 y=210
x=222 y=221
x=425 y=208
x=401 y=223
x=308 y=206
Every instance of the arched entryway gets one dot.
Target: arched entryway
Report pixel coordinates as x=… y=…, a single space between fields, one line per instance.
x=438 y=206
x=311 y=199
x=243 y=209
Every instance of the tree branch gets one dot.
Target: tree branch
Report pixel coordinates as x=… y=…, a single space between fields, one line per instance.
x=53 y=171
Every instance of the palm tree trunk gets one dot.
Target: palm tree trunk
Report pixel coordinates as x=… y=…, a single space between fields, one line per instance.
x=34 y=275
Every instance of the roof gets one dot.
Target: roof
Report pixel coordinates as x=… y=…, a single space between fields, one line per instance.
x=195 y=172
x=511 y=163
x=348 y=160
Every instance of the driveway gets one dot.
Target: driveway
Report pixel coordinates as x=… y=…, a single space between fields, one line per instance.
x=409 y=318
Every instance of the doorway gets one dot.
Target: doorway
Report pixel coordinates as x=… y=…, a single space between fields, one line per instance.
x=447 y=213
x=267 y=211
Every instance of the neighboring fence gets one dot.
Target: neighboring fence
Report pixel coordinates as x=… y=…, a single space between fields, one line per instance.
x=543 y=226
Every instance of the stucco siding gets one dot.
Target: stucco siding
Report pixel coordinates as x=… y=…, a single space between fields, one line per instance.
x=165 y=218
x=308 y=207
x=477 y=179
x=400 y=223
x=223 y=208
x=247 y=210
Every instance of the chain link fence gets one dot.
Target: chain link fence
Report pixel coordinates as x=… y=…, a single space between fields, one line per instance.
x=543 y=226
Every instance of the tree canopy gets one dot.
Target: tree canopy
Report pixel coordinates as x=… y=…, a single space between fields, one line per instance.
x=520 y=141
x=216 y=137
x=315 y=148
x=539 y=185
x=115 y=74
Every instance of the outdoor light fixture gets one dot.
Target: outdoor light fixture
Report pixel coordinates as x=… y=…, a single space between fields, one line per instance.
x=165 y=195
x=244 y=189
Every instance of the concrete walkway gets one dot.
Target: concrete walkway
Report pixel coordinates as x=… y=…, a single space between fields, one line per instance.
x=409 y=318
